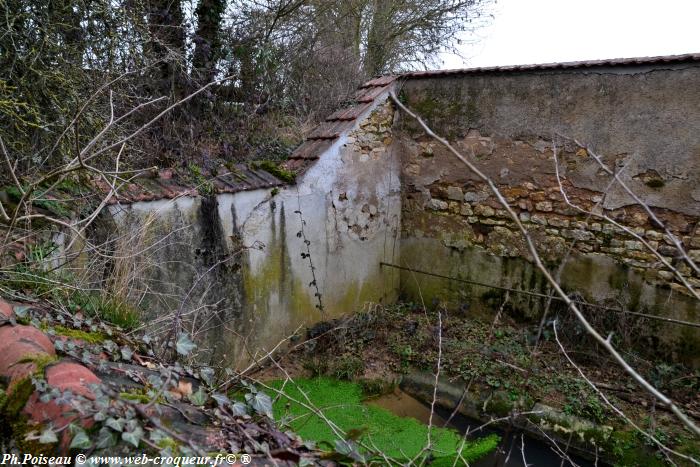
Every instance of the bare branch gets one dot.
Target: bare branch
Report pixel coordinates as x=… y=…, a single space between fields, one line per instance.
x=538 y=262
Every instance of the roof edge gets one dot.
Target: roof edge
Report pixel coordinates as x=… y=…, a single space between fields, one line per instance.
x=612 y=62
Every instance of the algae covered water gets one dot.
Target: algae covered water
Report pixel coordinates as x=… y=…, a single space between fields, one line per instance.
x=509 y=452
x=374 y=428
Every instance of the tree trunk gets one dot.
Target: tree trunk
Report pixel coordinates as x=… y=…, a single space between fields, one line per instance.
x=375 y=55
x=167 y=44
x=207 y=40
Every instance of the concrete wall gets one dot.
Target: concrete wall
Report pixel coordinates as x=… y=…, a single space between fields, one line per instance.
x=241 y=254
x=643 y=121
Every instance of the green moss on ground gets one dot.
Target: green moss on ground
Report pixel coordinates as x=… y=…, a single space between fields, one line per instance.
x=397 y=437
x=89 y=337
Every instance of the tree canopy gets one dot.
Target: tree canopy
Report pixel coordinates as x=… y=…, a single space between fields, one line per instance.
x=288 y=62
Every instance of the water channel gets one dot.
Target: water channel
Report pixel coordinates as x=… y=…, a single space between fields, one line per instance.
x=509 y=453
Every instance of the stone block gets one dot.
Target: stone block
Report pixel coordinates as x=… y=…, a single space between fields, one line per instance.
x=667 y=250
x=612 y=250
x=466 y=210
x=491 y=221
x=585 y=247
x=634 y=245
x=472 y=197
x=455 y=193
x=513 y=193
x=558 y=222
x=638 y=218
x=6 y=310
x=610 y=229
x=484 y=210
x=538 y=219
x=578 y=234
x=694 y=255
x=668 y=239
x=525 y=204
x=437 y=204
x=545 y=206
x=665 y=275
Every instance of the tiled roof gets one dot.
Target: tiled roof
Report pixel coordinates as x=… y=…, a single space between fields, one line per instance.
x=341 y=121
x=169 y=185
x=323 y=136
x=638 y=61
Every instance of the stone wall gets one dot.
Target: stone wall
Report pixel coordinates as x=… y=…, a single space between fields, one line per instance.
x=245 y=259
x=267 y=260
x=643 y=122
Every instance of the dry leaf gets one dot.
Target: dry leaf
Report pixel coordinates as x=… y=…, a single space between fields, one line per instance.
x=183 y=389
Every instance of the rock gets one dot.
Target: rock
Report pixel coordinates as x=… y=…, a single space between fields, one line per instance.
x=466 y=210
x=538 y=219
x=437 y=205
x=654 y=235
x=578 y=234
x=545 y=206
x=634 y=245
x=471 y=197
x=454 y=193
x=558 y=222
x=484 y=210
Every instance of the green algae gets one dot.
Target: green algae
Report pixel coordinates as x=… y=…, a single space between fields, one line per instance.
x=397 y=437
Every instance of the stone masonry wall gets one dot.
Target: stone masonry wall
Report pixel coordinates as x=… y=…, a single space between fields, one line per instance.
x=644 y=123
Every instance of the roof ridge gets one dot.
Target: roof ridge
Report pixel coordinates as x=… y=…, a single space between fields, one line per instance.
x=631 y=61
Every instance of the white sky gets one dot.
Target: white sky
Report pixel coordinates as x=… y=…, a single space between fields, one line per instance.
x=541 y=31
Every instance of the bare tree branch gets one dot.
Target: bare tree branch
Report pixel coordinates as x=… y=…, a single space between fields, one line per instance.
x=606 y=343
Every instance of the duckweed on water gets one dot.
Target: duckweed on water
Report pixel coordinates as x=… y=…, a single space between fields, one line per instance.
x=397 y=437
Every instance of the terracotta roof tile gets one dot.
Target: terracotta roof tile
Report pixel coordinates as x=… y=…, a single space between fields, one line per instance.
x=69 y=376
x=311 y=149
x=14 y=335
x=324 y=135
x=170 y=186
x=370 y=94
x=331 y=130
x=296 y=165
x=379 y=81
x=18 y=345
x=6 y=310
x=349 y=113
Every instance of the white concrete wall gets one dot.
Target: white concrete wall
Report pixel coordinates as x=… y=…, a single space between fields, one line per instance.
x=350 y=202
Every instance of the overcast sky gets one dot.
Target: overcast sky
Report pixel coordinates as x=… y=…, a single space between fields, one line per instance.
x=540 y=31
